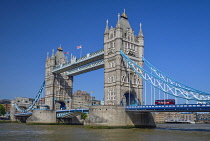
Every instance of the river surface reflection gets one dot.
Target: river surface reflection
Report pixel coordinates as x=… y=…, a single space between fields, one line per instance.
x=163 y=132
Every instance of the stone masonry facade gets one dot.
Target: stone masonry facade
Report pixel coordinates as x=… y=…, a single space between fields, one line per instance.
x=119 y=80
x=58 y=89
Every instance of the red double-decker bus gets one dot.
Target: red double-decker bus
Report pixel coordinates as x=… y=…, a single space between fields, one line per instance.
x=165 y=102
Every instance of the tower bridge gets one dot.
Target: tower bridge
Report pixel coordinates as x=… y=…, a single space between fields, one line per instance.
x=124 y=78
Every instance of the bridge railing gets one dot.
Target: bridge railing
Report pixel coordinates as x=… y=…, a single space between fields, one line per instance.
x=171 y=108
x=91 y=55
x=165 y=106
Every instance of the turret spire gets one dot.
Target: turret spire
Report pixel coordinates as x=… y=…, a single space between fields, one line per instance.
x=47 y=54
x=52 y=52
x=124 y=15
x=118 y=17
x=140 y=31
x=60 y=48
x=107 y=28
x=118 y=21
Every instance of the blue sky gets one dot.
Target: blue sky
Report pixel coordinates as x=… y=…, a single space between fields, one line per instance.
x=177 y=39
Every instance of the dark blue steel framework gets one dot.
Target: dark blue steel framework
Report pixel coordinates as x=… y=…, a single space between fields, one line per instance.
x=170 y=108
x=70 y=112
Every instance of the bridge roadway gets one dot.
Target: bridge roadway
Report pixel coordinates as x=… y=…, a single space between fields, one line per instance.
x=77 y=63
x=170 y=108
x=70 y=113
x=144 y=108
x=23 y=114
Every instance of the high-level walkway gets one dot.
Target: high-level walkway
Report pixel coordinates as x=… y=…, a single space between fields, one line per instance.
x=84 y=64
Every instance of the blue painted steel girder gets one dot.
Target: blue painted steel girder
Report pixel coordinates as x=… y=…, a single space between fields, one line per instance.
x=70 y=113
x=170 y=108
x=23 y=114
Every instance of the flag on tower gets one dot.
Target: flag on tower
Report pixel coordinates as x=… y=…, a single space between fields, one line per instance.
x=66 y=52
x=78 y=47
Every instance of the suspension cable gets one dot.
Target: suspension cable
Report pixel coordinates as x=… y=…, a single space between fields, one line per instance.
x=151 y=92
x=145 y=87
x=184 y=92
x=129 y=86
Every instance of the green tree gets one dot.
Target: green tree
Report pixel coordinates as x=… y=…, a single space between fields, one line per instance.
x=2 y=110
x=84 y=115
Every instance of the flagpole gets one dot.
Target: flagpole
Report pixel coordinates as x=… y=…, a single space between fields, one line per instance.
x=80 y=52
x=68 y=56
x=91 y=98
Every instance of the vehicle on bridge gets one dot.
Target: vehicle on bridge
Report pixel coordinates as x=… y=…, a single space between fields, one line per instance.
x=165 y=102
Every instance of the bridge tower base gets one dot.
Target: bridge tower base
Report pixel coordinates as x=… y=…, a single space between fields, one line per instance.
x=116 y=116
x=42 y=116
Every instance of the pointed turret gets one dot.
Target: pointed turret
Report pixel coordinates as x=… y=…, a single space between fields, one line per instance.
x=141 y=41
x=53 y=53
x=47 y=56
x=52 y=58
x=123 y=23
x=118 y=27
x=106 y=32
x=59 y=56
x=107 y=28
x=118 y=21
x=140 y=31
x=124 y=15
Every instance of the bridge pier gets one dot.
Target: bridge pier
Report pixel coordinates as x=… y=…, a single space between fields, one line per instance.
x=49 y=117
x=116 y=116
x=72 y=121
x=22 y=119
x=42 y=116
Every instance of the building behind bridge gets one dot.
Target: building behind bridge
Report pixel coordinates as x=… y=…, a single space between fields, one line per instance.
x=163 y=117
x=7 y=104
x=203 y=117
x=82 y=99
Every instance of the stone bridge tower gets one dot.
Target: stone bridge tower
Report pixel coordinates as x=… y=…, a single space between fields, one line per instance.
x=122 y=85
x=58 y=89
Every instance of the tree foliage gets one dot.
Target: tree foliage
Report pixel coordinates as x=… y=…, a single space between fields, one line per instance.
x=2 y=110
x=84 y=115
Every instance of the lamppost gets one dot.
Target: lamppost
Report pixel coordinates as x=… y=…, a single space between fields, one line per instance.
x=91 y=97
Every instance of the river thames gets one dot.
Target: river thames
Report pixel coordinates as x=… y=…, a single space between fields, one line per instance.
x=163 y=132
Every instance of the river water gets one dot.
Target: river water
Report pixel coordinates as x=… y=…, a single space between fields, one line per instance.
x=163 y=132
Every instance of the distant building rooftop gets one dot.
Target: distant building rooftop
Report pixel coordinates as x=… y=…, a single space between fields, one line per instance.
x=5 y=101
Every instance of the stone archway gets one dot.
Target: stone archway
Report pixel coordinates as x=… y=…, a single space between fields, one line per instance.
x=22 y=107
x=130 y=99
x=60 y=105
